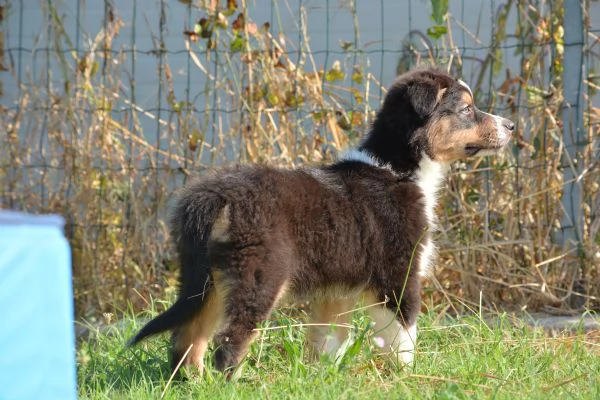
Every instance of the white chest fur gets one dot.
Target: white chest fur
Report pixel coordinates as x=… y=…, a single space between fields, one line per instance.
x=429 y=177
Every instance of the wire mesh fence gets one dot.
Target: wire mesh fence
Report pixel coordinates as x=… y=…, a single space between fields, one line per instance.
x=108 y=107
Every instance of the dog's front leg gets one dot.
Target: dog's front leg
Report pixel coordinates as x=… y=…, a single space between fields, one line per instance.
x=391 y=336
x=329 y=322
x=395 y=334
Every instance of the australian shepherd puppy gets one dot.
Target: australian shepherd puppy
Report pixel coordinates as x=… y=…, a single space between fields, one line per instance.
x=359 y=229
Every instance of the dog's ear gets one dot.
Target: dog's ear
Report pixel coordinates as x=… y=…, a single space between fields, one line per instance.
x=413 y=97
x=425 y=96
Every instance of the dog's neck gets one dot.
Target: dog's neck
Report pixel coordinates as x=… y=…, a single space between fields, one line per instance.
x=397 y=142
x=429 y=175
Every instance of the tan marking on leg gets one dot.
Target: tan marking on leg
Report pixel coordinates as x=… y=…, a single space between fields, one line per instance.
x=391 y=337
x=282 y=293
x=220 y=229
x=327 y=339
x=202 y=327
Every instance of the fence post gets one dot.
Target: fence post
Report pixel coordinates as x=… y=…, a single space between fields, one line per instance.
x=571 y=234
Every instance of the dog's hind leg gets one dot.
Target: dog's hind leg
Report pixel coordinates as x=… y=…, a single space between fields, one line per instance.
x=193 y=337
x=250 y=300
x=328 y=327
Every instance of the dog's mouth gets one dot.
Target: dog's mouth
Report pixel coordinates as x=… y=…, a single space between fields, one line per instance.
x=473 y=149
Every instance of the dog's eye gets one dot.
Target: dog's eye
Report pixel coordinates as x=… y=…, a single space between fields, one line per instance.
x=467 y=110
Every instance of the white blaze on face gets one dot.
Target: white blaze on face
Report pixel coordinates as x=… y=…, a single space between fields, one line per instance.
x=466 y=87
x=503 y=136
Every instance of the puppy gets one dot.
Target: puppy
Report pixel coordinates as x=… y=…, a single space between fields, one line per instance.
x=359 y=229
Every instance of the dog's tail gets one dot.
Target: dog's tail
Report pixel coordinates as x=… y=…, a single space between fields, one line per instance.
x=191 y=225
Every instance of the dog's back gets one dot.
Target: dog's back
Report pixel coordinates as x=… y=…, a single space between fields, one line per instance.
x=258 y=232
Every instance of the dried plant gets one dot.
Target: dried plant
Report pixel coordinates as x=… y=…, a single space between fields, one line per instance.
x=79 y=148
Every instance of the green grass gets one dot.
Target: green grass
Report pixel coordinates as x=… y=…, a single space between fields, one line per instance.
x=457 y=358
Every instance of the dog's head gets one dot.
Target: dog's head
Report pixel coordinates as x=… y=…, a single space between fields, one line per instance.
x=429 y=111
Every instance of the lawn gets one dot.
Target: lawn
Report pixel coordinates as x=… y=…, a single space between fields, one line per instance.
x=457 y=358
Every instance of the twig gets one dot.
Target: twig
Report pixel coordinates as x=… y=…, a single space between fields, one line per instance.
x=162 y=395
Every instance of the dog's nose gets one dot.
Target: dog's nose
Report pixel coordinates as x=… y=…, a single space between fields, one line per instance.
x=508 y=124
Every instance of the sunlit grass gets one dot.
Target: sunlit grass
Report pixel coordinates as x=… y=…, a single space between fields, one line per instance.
x=456 y=358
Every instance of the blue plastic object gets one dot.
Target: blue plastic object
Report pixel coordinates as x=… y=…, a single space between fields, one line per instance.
x=37 y=339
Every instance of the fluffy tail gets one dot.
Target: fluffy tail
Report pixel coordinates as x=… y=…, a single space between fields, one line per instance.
x=177 y=314
x=191 y=224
